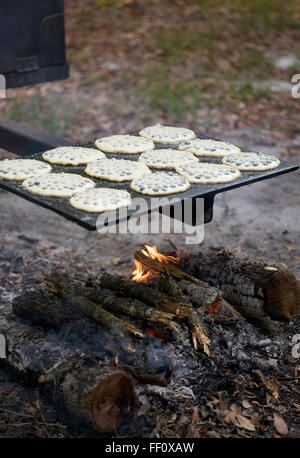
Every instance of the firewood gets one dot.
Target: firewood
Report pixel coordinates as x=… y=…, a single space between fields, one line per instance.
x=160 y=266
x=197 y=328
x=144 y=293
x=199 y=332
x=254 y=287
x=108 y=300
x=205 y=290
x=200 y=296
x=89 y=390
x=76 y=296
x=168 y=285
x=36 y=307
x=208 y=298
x=43 y=308
x=137 y=309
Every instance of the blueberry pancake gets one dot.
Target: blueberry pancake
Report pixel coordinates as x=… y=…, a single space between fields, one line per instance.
x=203 y=172
x=126 y=144
x=98 y=200
x=58 y=184
x=212 y=148
x=166 y=158
x=72 y=155
x=160 y=183
x=20 y=169
x=252 y=161
x=167 y=134
x=116 y=169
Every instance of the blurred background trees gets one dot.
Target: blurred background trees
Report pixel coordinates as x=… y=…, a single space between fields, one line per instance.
x=196 y=62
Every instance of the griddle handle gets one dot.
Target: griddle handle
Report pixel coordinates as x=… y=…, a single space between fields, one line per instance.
x=22 y=139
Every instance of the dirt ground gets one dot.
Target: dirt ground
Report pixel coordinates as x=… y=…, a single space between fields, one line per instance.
x=260 y=220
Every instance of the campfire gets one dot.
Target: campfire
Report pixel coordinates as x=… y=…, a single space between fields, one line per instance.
x=110 y=345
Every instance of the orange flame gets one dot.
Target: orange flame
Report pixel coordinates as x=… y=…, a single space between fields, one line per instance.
x=141 y=273
x=153 y=253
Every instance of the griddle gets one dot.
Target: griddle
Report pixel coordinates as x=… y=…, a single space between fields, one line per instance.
x=87 y=220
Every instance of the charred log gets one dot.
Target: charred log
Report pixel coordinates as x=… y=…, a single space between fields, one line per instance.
x=160 y=266
x=105 y=298
x=43 y=308
x=198 y=330
x=80 y=297
x=89 y=390
x=144 y=293
x=204 y=290
x=208 y=299
x=255 y=288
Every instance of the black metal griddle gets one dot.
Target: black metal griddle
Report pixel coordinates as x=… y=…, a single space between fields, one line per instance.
x=88 y=220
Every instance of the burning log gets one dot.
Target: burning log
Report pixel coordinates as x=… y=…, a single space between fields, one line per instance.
x=144 y=293
x=204 y=294
x=89 y=390
x=161 y=266
x=255 y=288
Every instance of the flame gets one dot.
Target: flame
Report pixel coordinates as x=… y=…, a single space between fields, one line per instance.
x=152 y=252
x=142 y=273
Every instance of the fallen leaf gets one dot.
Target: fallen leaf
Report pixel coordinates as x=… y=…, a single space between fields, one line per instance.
x=246 y=404
x=195 y=416
x=242 y=422
x=255 y=419
x=272 y=385
x=280 y=425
